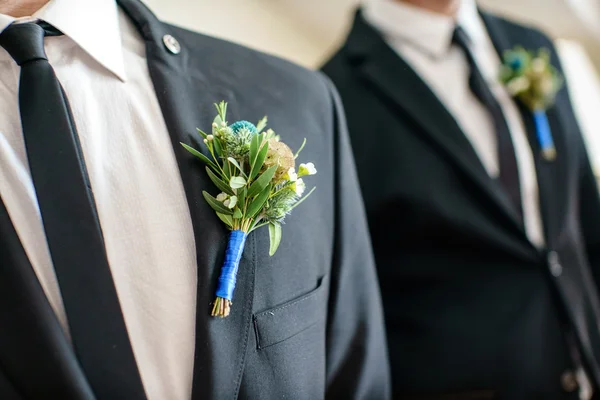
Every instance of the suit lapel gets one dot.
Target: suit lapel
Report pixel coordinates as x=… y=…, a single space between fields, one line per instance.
x=399 y=83
x=34 y=352
x=186 y=94
x=551 y=175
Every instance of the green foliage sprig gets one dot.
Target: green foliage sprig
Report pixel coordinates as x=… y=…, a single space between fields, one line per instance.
x=255 y=174
x=530 y=77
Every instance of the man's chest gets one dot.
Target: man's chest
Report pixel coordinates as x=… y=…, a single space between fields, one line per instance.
x=125 y=143
x=141 y=206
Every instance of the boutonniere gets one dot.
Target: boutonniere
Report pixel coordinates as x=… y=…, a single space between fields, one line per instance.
x=529 y=77
x=258 y=183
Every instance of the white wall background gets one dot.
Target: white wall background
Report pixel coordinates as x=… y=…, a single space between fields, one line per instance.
x=308 y=31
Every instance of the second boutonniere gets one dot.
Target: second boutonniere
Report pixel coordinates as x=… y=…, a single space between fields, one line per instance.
x=256 y=175
x=530 y=77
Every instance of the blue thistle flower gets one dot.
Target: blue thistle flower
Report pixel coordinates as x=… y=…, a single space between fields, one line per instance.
x=238 y=126
x=516 y=62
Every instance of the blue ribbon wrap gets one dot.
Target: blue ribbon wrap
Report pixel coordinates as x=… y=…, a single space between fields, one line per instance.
x=233 y=255
x=544 y=135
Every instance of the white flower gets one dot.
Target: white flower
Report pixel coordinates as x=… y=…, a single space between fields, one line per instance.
x=205 y=141
x=299 y=187
x=210 y=137
x=546 y=86
x=271 y=133
x=222 y=197
x=538 y=65
x=230 y=202
x=291 y=175
x=307 y=169
x=518 y=85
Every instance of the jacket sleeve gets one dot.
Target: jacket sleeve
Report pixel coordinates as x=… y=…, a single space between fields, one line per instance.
x=589 y=212
x=357 y=362
x=589 y=197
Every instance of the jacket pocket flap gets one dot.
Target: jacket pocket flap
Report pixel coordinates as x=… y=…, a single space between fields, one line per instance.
x=282 y=322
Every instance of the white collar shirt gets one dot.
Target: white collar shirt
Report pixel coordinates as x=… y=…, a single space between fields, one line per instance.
x=101 y=63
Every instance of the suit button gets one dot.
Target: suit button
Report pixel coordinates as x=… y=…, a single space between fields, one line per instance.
x=554 y=263
x=568 y=381
x=172 y=44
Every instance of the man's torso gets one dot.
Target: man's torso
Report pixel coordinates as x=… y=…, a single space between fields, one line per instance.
x=468 y=300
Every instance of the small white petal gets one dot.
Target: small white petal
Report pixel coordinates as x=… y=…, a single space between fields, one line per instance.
x=538 y=65
x=231 y=202
x=518 y=85
x=222 y=197
x=291 y=175
x=307 y=169
x=299 y=187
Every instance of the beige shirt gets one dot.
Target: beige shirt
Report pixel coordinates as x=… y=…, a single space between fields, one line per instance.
x=101 y=63
x=424 y=40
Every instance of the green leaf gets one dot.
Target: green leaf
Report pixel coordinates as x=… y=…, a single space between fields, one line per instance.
x=216 y=204
x=254 y=143
x=274 y=237
x=222 y=186
x=262 y=124
x=300 y=149
x=222 y=109
x=259 y=161
x=241 y=194
x=237 y=182
x=217 y=145
x=226 y=170
x=237 y=214
x=217 y=121
x=202 y=133
x=234 y=162
x=255 y=227
x=262 y=182
x=226 y=218
x=200 y=156
x=257 y=204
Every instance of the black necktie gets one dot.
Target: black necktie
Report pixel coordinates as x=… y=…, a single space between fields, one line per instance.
x=509 y=171
x=70 y=220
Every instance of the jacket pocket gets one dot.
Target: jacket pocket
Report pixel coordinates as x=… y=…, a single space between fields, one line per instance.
x=287 y=320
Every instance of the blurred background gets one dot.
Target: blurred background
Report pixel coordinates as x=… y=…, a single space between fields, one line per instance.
x=309 y=31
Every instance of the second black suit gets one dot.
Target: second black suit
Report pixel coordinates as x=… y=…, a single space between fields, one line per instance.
x=473 y=309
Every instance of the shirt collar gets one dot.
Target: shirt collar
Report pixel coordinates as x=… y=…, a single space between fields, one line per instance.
x=428 y=31
x=92 y=24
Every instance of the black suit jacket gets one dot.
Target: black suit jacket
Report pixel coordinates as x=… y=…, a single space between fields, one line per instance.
x=471 y=305
x=307 y=323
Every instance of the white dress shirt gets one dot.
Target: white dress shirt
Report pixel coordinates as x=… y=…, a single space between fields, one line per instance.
x=101 y=63
x=424 y=40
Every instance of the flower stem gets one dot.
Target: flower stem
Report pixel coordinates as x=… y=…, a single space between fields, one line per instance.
x=210 y=149
x=221 y=308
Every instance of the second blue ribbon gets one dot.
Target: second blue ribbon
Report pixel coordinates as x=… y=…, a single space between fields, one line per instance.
x=544 y=135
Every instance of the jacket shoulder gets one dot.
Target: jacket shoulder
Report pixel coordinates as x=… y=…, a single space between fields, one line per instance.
x=522 y=32
x=248 y=66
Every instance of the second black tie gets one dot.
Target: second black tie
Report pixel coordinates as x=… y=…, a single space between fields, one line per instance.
x=509 y=171
x=70 y=221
